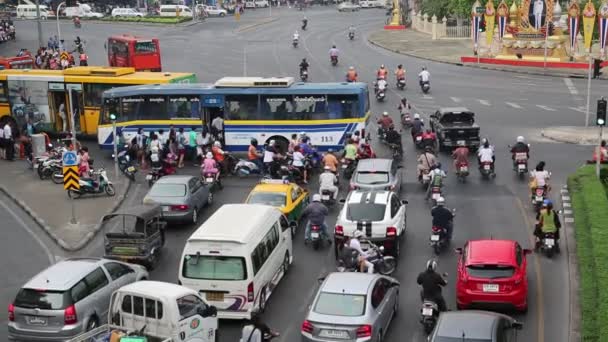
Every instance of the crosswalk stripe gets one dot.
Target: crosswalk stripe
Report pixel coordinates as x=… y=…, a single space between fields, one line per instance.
x=578 y=109
x=546 y=108
x=514 y=105
x=427 y=97
x=455 y=99
x=484 y=102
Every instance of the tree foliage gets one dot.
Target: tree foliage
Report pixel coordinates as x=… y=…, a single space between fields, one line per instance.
x=441 y=8
x=462 y=8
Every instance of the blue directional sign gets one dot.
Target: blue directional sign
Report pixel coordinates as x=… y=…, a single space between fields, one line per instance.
x=69 y=158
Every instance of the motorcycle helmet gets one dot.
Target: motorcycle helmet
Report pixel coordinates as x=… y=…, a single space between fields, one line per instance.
x=385 y=114
x=440 y=201
x=424 y=68
x=357 y=234
x=428 y=149
x=217 y=144
x=431 y=265
x=254 y=142
x=438 y=165
x=316 y=198
x=547 y=203
x=416 y=116
x=333 y=46
x=351 y=68
x=382 y=66
x=400 y=66
x=520 y=139
x=209 y=155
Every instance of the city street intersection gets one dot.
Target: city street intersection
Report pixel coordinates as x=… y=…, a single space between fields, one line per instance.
x=506 y=105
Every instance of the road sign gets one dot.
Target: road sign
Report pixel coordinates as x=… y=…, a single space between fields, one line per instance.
x=71 y=178
x=69 y=158
x=480 y=9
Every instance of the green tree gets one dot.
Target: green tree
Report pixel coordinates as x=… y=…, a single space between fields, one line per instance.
x=462 y=8
x=436 y=7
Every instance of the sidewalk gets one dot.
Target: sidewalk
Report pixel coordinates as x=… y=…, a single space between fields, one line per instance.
x=420 y=45
x=573 y=134
x=49 y=205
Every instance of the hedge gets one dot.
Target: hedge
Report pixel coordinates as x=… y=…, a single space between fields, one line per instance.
x=157 y=20
x=590 y=205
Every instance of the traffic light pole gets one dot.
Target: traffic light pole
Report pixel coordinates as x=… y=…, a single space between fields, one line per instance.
x=588 y=93
x=598 y=155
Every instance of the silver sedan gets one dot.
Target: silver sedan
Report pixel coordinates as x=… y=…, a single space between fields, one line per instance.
x=352 y=307
x=181 y=197
x=377 y=174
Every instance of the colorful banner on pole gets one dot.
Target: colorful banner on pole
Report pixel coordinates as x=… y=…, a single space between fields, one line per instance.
x=503 y=15
x=489 y=16
x=476 y=12
x=603 y=25
x=475 y=28
x=573 y=24
x=588 y=24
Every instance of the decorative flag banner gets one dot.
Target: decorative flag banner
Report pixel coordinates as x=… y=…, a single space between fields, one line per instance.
x=475 y=28
x=490 y=16
x=476 y=12
x=503 y=15
x=573 y=21
x=588 y=24
x=603 y=26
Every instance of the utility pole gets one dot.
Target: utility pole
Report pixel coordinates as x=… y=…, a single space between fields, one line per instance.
x=39 y=24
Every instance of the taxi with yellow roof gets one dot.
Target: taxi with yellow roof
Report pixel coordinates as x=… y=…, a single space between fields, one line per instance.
x=288 y=197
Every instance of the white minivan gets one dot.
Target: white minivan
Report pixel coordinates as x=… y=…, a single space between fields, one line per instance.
x=29 y=12
x=237 y=258
x=171 y=11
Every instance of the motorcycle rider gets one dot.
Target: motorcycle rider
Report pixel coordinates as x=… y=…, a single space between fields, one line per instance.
x=424 y=76
x=315 y=214
x=380 y=85
x=540 y=178
x=428 y=138
x=303 y=66
x=382 y=73
x=485 y=154
x=351 y=75
x=351 y=31
x=461 y=156
x=437 y=175
x=547 y=221
x=328 y=181
x=404 y=107
x=210 y=167
x=330 y=160
x=257 y=331
x=333 y=53
x=296 y=36
x=385 y=122
x=400 y=73
x=270 y=157
x=603 y=153
x=350 y=151
x=355 y=244
x=220 y=156
x=365 y=151
x=431 y=283
x=304 y=23
x=254 y=156
x=443 y=217
x=77 y=21
x=417 y=126
x=394 y=138
x=520 y=147
x=426 y=161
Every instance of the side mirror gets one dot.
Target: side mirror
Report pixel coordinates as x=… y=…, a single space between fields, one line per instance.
x=527 y=251
x=517 y=325
x=395 y=284
x=210 y=311
x=404 y=202
x=381 y=248
x=342 y=200
x=293 y=224
x=400 y=166
x=458 y=250
x=320 y=280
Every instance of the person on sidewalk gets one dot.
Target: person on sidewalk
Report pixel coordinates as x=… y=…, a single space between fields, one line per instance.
x=2 y=144
x=10 y=142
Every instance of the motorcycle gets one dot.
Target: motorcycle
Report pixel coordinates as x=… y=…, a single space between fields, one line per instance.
x=406 y=120
x=49 y=168
x=304 y=23
x=315 y=236
x=295 y=42
x=538 y=198
x=245 y=167
x=435 y=194
x=549 y=245
x=521 y=164
x=486 y=170
x=125 y=165
x=161 y=168
x=351 y=35
x=418 y=140
x=348 y=168
x=327 y=197
x=380 y=95
x=382 y=134
x=430 y=313
x=462 y=172
x=439 y=239
x=304 y=75
x=212 y=181
x=425 y=86
x=395 y=151
x=90 y=186
x=383 y=264
x=401 y=83
x=334 y=60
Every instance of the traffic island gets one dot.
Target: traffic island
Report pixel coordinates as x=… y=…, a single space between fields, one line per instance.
x=573 y=134
x=589 y=203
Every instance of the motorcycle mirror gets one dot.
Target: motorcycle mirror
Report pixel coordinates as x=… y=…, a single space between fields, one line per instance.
x=400 y=166
x=320 y=280
x=342 y=200
x=404 y=202
x=517 y=325
x=381 y=248
x=458 y=250
x=445 y=274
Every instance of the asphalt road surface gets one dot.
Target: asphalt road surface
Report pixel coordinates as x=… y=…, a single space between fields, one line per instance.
x=506 y=105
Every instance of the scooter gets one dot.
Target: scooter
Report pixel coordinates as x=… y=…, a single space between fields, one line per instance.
x=486 y=170
x=418 y=140
x=245 y=167
x=383 y=264
x=351 y=35
x=348 y=167
x=295 y=42
x=90 y=186
x=304 y=23
x=380 y=95
x=538 y=198
x=401 y=83
x=406 y=120
x=521 y=164
x=50 y=167
x=315 y=236
x=549 y=245
x=395 y=152
x=435 y=194
x=327 y=198
x=439 y=239
x=463 y=172
x=425 y=87
x=212 y=181
x=429 y=314
x=125 y=165
x=382 y=135
x=304 y=75
x=334 y=60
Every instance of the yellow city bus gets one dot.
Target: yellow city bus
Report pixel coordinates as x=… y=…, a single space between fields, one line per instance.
x=50 y=97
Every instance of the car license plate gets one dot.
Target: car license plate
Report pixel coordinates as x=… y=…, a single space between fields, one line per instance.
x=209 y=180
x=539 y=198
x=166 y=208
x=333 y=333
x=464 y=169
x=434 y=237
x=364 y=246
x=131 y=169
x=314 y=235
x=344 y=166
x=325 y=197
x=550 y=242
x=436 y=195
x=215 y=296
x=486 y=167
x=490 y=287
x=521 y=166
x=427 y=312
x=460 y=142
x=418 y=138
x=148 y=177
x=36 y=320
x=36 y=165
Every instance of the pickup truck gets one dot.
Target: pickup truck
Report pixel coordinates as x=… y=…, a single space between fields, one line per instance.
x=454 y=125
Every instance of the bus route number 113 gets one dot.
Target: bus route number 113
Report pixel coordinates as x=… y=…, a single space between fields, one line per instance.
x=326 y=139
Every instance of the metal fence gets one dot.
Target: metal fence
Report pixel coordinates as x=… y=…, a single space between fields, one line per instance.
x=462 y=31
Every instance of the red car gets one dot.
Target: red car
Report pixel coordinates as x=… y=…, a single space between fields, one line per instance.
x=492 y=273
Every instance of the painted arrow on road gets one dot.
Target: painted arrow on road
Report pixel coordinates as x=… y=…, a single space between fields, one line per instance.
x=71 y=178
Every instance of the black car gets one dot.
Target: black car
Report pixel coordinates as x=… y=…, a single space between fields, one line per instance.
x=472 y=325
x=455 y=125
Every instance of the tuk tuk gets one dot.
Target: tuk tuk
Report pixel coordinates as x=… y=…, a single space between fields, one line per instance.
x=135 y=235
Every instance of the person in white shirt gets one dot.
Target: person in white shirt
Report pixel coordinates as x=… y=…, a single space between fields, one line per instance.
x=2 y=144
x=355 y=244
x=424 y=76
x=217 y=127
x=541 y=177
x=64 y=121
x=9 y=142
x=381 y=85
x=485 y=154
x=298 y=161
x=296 y=36
x=162 y=137
x=328 y=181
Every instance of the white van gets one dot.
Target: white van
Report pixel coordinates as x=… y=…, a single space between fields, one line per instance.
x=237 y=258
x=171 y=11
x=159 y=311
x=29 y=12
x=83 y=11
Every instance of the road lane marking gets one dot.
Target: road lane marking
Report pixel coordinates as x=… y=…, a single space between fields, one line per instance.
x=455 y=99
x=578 y=109
x=47 y=251
x=514 y=105
x=484 y=102
x=539 y=281
x=546 y=108
x=427 y=97
x=570 y=86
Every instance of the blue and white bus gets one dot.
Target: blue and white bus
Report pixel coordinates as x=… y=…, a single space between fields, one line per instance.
x=252 y=107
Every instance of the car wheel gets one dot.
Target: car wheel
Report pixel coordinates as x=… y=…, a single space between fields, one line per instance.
x=195 y=216
x=262 y=305
x=397 y=249
x=222 y=15
x=91 y=324
x=286 y=263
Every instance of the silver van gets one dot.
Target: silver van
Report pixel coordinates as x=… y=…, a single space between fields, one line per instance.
x=68 y=298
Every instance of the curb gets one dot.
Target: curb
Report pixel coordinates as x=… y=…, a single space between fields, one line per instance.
x=256 y=24
x=50 y=231
x=526 y=72
x=577 y=140
x=568 y=217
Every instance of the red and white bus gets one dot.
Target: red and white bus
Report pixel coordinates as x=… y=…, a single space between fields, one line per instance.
x=143 y=54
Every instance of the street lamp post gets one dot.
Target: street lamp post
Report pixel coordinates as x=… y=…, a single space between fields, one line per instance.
x=113 y=118
x=40 y=42
x=58 y=28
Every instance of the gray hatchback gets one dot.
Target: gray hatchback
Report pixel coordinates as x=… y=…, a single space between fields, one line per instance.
x=472 y=325
x=68 y=298
x=377 y=174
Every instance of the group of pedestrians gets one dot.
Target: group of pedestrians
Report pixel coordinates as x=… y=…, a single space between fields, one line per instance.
x=7 y=30
x=55 y=56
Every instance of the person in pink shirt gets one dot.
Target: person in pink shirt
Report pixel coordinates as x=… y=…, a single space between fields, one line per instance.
x=210 y=167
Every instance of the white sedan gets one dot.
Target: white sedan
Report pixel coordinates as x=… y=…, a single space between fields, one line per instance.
x=215 y=11
x=261 y=3
x=347 y=6
x=249 y=4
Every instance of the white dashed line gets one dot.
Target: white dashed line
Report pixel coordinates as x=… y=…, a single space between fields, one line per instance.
x=565 y=198
x=427 y=97
x=484 y=102
x=566 y=205
x=514 y=105
x=570 y=86
x=569 y=219
x=546 y=108
x=578 y=109
x=455 y=99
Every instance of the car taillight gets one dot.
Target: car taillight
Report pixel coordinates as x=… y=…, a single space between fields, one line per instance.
x=11 y=312
x=364 y=331
x=250 y=296
x=69 y=315
x=391 y=232
x=339 y=230
x=518 y=280
x=181 y=207
x=307 y=327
